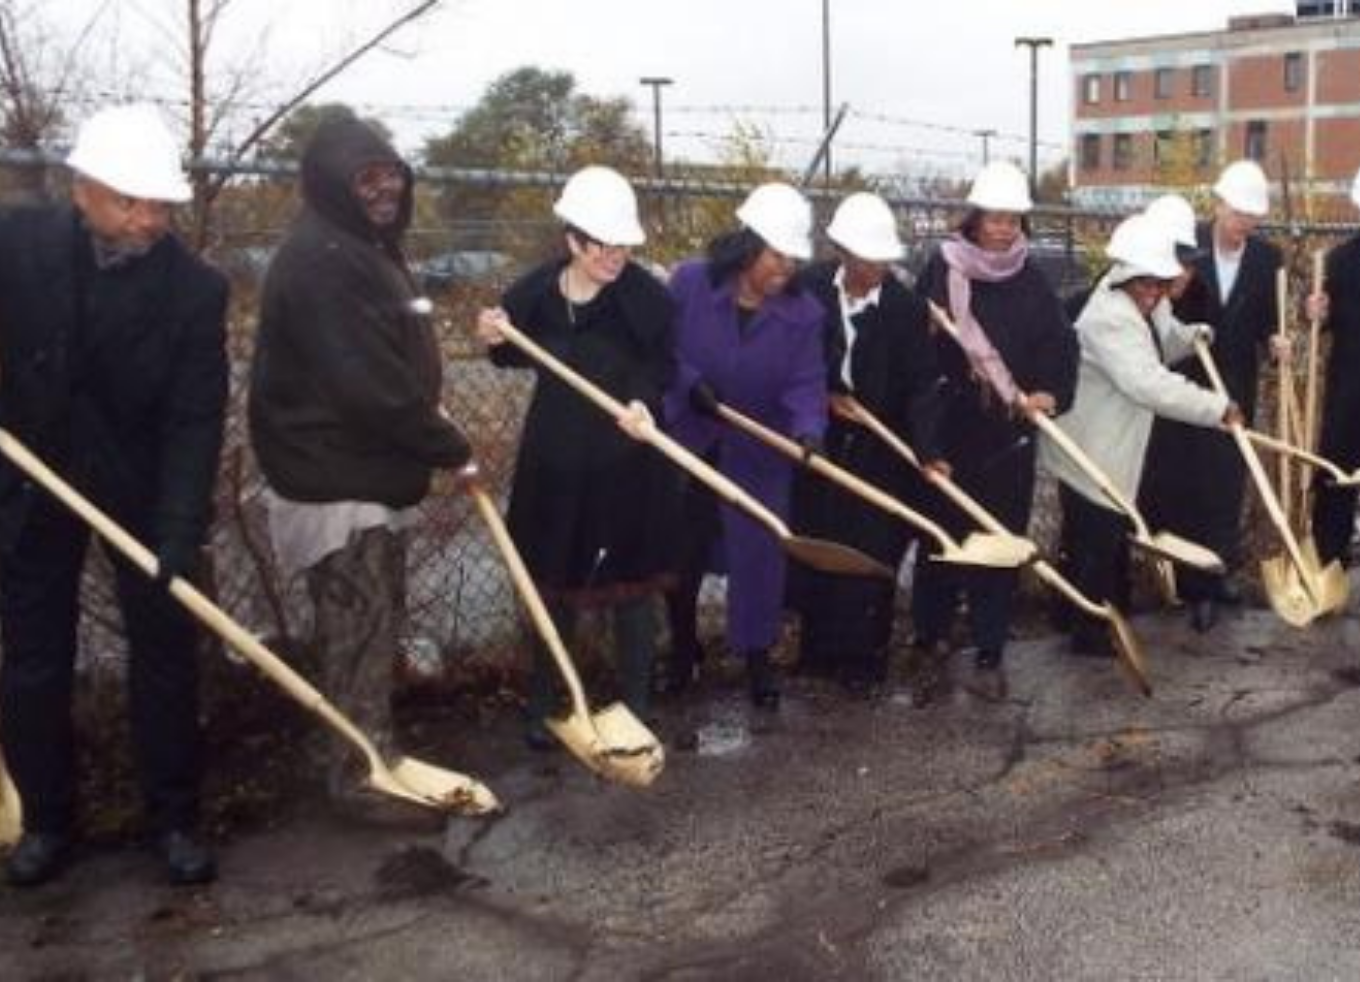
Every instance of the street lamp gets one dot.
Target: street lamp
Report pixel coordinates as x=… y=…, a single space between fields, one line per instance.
x=1034 y=44
x=826 y=82
x=986 y=136
x=656 y=82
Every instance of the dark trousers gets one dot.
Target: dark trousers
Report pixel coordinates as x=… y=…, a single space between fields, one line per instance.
x=39 y=608
x=991 y=602
x=634 y=624
x=359 y=602
x=1095 y=547
x=1333 y=520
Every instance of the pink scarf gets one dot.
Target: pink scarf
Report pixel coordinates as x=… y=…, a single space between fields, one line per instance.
x=966 y=263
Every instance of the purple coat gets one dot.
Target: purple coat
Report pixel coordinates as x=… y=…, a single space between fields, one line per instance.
x=773 y=371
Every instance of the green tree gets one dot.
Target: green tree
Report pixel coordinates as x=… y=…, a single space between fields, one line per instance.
x=531 y=120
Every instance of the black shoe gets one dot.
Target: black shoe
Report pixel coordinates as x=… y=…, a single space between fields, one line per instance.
x=38 y=857
x=1203 y=615
x=987 y=659
x=188 y=860
x=762 y=685
x=1090 y=643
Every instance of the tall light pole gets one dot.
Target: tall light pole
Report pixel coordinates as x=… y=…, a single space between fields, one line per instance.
x=986 y=136
x=656 y=82
x=1034 y=44
x=826 y=83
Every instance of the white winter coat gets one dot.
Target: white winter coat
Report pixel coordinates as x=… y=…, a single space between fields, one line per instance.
x=1122 y=383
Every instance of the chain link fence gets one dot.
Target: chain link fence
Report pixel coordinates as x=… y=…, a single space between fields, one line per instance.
x=462 y=608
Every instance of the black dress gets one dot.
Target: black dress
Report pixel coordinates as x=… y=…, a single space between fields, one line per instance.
x=592 y=510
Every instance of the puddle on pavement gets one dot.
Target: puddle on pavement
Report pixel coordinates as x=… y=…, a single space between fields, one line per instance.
x=722 y=737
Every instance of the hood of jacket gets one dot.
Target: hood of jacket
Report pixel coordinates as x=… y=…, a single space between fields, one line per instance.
x=337 y=151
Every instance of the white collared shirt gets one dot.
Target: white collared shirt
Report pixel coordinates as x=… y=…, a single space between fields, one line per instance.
x=1227 y=265
x=851 y=307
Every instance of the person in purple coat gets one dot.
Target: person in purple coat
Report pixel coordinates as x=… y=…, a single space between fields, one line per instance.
x=746 y=336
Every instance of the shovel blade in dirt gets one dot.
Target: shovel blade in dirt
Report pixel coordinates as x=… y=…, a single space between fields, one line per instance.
x=833 y=557
x=1332 y=586
x=613 y=743
x=1169 y=545
x=11 y=811
x=1128 y=650
x=432 y=787
x=1288 y=595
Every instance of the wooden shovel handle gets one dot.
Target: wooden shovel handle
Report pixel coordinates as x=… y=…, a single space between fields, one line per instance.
x=1258 y=474
x=678 y=454
x=524 y=583
x=186 y=593
x=838 y=475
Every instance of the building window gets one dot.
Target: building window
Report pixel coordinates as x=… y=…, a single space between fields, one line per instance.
x=1204 y=148
x=1090 y=89
x=1293 y=71
x=1161 y=82
x=1122 y=84
x=1254 y=148
x=1202 y=80
x=1163 y=146
x=1090 y=151
x=1122 y=158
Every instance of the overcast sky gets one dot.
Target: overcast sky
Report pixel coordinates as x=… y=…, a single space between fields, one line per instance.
x=950 y=64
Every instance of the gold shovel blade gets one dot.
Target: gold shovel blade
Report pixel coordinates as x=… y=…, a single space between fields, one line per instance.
x=11 y=812
x=433 y=787
x=613 y=743
x=833 y=557
x=1286 y=593
x=1331 y=583
x=1170 y=546
x=992 y=549
x=1128 y=651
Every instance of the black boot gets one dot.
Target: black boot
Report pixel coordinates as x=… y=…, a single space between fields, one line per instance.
x=762 y=685
x=38 y=857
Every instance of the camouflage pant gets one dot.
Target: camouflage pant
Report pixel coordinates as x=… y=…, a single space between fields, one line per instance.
x=359 y=601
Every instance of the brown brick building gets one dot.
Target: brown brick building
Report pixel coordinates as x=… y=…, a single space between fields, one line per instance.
x=1282 y=89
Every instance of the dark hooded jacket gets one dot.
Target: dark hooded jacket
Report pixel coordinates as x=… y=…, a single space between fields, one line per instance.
x=116 y=377
x=346 y=384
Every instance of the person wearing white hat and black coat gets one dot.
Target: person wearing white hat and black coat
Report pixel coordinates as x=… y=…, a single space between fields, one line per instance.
x=1122 y=383
x=592 y=510
x=1334 y=507
x=1017 y=354
x=1194 y=479
x=878 y=351
x=112 y=349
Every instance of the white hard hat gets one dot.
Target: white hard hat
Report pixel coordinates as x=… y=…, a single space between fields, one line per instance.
x=1142 y=246
x=1355 y=189
x=1176 y=216
x=864 y=226
x=781 y=216
x=600 y=202
x=1001 y=186
x=130 y=149
x=1243 y=187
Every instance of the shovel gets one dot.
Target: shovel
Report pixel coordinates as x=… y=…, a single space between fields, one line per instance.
x=404 y=777
x=982 y=549
x=1339 y=477
x=11 y=809
x=1126 y=645
x=1290 y=587
x=829 y=557
x=612 y=742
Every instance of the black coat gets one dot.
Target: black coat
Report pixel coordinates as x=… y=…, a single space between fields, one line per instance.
x=593 y=511
x=896 y=376
x=1340 y=439
x=346 y=383
x=992 y=452
x=1193 y=477
x=116 y=377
